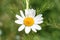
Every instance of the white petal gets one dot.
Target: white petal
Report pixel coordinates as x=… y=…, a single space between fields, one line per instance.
x=34 y=29
x=27 y=30
x=19 y=21
x=17 y=16
x=21 y=12
x=37 y=27
x=21 y=27
x=38 y=22
x=38 y=19
x=30 y=12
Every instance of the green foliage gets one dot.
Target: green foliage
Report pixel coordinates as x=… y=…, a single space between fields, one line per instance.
x=51 y=14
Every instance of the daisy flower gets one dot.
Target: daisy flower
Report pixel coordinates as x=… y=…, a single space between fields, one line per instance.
x=29 y=21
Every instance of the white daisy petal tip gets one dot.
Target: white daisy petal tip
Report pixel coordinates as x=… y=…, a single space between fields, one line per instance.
x=19 y=21
x=19 y=30
x=40 y=14
x=42 y=18
x=21 y=27
x=41 y=22
x=21 y=12
x=39 y=28
x=27 y=30
x=16 y=21
x=34 y=30
x=16 y=15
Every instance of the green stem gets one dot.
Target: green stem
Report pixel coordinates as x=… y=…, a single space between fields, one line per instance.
x=27 y=4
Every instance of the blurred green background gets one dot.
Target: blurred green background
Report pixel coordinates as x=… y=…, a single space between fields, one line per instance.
x=51 y=14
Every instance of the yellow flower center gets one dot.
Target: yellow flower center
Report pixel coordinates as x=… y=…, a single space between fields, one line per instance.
x=28 y=21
